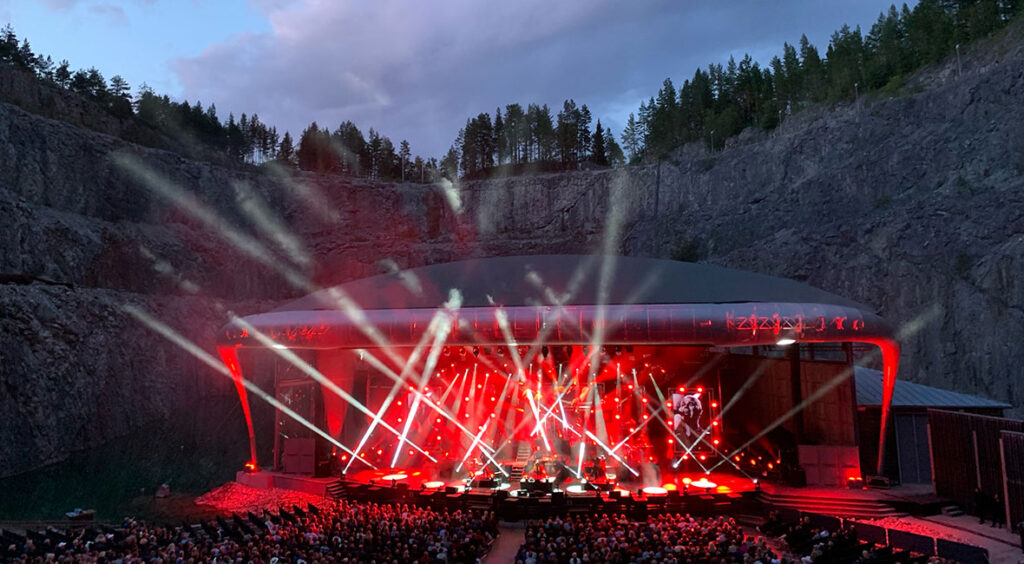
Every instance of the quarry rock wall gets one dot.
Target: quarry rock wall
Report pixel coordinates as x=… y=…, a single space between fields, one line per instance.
x=913 y=205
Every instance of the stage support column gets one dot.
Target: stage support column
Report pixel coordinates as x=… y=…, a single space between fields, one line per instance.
x=796 y=388
x=230 y=357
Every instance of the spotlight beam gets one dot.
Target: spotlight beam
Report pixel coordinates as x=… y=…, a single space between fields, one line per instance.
x=315 y=374
x=380 y=366
x=439 y=327
x=188 y=346
x=601 y=444
x=818 y=394
x=247 y=245
x=472 y=445
x=414 y=357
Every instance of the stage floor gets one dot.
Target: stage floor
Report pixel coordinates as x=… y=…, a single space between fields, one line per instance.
x=420 y=479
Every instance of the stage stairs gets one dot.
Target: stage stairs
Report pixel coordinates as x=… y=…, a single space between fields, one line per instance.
x=522 y=455
x=337 y=490
x=952 y=511
x=837 y=505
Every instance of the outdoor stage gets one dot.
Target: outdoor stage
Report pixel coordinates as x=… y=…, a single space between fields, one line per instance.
x=642 y=374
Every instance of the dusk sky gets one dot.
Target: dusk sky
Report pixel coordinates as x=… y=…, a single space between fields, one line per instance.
x=416 y=69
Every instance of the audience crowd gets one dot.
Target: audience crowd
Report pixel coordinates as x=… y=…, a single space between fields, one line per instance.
x=663 y=539
x=821 y=546
x=341 y=531
x=347 y=531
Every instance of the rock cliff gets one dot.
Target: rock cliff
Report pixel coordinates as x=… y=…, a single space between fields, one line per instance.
x=912 y=204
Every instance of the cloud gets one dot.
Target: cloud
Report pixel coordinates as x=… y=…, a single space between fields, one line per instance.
x=67 y=5
x=59 y=5
x=417 y=70
x=114 y=15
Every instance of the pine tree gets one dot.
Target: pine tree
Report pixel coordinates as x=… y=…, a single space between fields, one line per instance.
x=612 y=150
x=584 y=138
x=8 y=45
x=450 y=164
x=349 y=143
x=499 y=137
x=631 y=137
x=404 y=153
x=814 y=72
x=307 y=153
x=119 y=87
x=286 y=150
x=62 y=75
x=567 y=132
x=598 y=154
x=515 y=132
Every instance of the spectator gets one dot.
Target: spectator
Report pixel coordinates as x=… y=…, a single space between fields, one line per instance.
x=337 y=532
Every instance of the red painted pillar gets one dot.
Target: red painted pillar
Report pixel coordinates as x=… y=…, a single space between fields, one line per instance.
x=230 y=357
x=890 y=364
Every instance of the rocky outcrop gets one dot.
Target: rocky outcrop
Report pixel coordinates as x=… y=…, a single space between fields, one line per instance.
x=913 y=205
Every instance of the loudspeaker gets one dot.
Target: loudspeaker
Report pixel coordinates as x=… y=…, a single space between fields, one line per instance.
x=558 y=498
x=450 y=490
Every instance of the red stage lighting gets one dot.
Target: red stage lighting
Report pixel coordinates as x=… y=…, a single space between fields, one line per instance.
x=713 y=404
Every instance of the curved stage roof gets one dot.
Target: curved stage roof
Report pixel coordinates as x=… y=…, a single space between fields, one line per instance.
x=563 y=299
x=572 y=279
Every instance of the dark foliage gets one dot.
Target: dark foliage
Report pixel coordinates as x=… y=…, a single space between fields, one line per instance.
x=717 y=103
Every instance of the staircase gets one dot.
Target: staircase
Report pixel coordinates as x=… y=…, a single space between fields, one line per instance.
x=337 y=490
x=832 y=505
x=522 y=455
x=952 y=511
